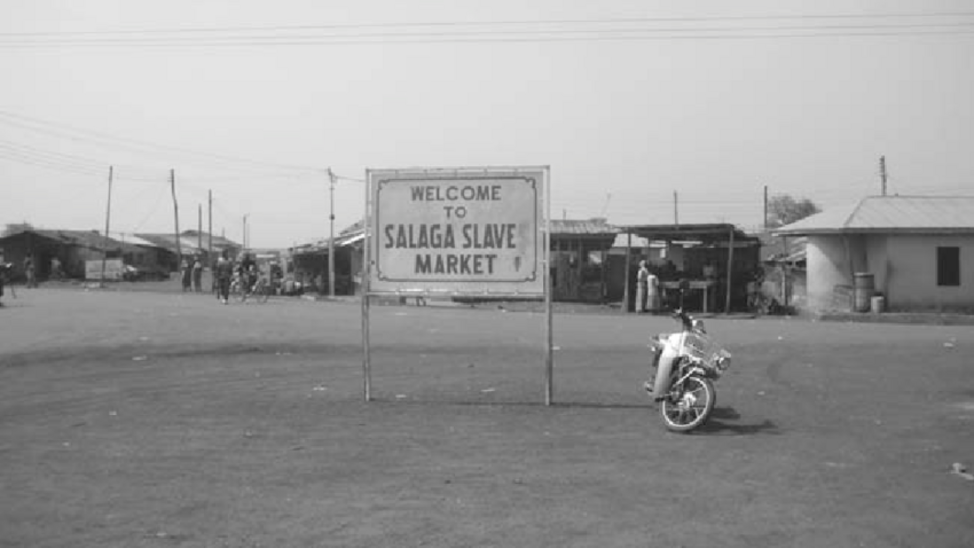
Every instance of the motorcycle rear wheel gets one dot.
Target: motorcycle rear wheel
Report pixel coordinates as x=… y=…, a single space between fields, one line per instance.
x=688 y=406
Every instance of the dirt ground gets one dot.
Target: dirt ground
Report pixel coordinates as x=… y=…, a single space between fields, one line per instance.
x=154 y=419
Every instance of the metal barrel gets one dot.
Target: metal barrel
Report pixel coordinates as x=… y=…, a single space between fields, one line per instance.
x=864 y=287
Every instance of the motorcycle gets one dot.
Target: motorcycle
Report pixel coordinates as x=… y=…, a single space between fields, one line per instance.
x=687 y=364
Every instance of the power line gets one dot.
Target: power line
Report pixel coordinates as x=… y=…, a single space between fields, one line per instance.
x=40 y=162
x=72 y=132
x=717 y=36
x=57 y=160
x=494 y=23
x=216 y=40
x=507 y=31
x=155 y=208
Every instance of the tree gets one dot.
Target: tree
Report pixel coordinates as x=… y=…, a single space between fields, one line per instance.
x=785 y=209
x=14 y=228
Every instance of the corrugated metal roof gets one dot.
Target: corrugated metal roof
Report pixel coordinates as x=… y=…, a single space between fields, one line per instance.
x=86 y=238
x=623 y=240
x=187 y=242
x=135 y=240
x=593 y=227
x=929 y=214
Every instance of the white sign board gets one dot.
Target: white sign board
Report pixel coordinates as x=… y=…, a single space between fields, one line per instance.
x=470 y=231
x=113 y=269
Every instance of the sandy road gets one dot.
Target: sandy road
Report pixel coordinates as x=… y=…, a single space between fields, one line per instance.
x=140 y=419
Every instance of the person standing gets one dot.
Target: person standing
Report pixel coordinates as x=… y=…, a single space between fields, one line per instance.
x=642 y=281
x=3 y=275
x=186 y=274
x=652 y=292
x=224 y=272
x=198 y=275
x=29 y=272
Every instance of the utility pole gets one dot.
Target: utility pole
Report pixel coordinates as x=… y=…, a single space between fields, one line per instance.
x=331 y=237
x=882 y=172
x=245 y=231
x=209 y=246
x=676 y=209
x=199 y=228
x=175 y=209
x=108 y=215
x=765 y=208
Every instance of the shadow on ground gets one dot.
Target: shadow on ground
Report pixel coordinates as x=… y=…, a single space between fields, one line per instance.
x=722 y=419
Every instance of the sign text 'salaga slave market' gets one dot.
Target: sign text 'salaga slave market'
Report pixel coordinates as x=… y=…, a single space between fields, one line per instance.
x=453 y=229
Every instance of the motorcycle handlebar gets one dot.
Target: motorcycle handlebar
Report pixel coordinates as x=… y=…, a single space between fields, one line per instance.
x=684 y=318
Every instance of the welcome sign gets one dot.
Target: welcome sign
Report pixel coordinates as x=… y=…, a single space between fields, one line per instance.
x=474 y=231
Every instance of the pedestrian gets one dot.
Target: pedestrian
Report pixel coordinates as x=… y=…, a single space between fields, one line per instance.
x=198 y=275
x=3 y=275
x=29 y=272
x=652 y=292
x=224 y=271
x=642 y=287
x=186 y=273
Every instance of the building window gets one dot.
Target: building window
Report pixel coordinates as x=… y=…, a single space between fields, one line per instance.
x=948 y=266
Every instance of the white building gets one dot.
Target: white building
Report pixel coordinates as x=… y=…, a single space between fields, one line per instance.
x=918 y=252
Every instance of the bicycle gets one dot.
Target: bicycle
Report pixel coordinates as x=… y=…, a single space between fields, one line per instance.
x=260 y=290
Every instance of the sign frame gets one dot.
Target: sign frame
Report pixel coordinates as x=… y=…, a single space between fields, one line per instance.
x=532 y=242
x=518 y=189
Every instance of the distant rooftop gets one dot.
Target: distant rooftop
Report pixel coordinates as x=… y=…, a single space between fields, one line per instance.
x=908 y=214
x=588 y=227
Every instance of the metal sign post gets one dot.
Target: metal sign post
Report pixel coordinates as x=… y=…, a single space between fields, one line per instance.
x=476 y=232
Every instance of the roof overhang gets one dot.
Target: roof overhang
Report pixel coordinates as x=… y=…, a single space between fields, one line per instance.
x=869 y=231
x=705 y=233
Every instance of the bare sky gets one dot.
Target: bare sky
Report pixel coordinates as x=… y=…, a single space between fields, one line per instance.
x=715 y=115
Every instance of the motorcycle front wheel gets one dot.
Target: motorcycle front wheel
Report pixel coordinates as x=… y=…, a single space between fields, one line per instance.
x=237 y=292
x=687 y=406
x=262 y=291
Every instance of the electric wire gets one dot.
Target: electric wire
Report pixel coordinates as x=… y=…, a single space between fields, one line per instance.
x=463 y=40
x=488 y=33
x=152 y=211
x=29 y=160
x=810 y=25
x=147 y=174
x=72 y=132
x=494 y=23
x=65 y=162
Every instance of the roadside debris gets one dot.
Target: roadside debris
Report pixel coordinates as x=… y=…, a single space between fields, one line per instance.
x=959 y=469
x=139 y=358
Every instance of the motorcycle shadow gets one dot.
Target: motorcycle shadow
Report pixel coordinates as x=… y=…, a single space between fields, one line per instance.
x=717 y=424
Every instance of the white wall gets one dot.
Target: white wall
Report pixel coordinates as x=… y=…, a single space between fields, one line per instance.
x=877 y=260
x=904 y=268
x=827 y=267
x=912 y=276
